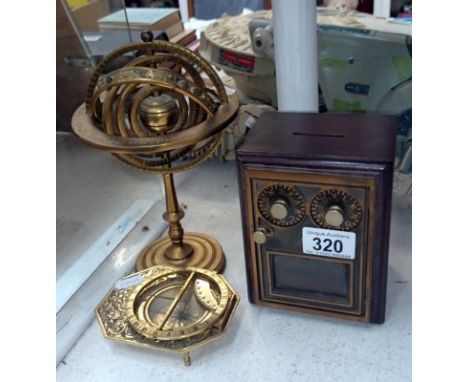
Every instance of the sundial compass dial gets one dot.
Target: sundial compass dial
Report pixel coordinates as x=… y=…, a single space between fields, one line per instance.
x=168 y=309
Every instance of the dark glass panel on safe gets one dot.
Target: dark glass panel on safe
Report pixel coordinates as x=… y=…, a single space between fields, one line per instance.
x=310 y=278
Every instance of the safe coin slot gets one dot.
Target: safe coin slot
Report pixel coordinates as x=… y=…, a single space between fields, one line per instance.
x=329 y=135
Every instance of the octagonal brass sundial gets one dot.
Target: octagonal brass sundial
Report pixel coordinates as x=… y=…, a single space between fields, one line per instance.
x=168 y=309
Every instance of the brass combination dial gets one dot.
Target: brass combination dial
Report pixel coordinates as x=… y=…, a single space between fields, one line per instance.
x=335 y=209
x=281 y=205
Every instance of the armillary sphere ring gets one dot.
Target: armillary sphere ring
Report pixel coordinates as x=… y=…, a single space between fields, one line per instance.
x=97 y=134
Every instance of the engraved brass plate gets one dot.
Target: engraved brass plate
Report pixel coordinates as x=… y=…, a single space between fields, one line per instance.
x=168 y=309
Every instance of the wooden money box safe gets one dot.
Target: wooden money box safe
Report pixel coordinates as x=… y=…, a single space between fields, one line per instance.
x=315 y=193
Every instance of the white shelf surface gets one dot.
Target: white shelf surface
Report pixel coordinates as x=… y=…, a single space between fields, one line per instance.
x=263 y=344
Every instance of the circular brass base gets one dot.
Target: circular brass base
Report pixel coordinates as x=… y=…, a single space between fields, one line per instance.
x=207 y=253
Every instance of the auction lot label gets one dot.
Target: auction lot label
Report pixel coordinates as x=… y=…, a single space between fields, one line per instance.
x=329 y=243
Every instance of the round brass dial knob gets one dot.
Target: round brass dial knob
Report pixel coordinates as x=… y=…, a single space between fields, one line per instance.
x=279 y=209
x=334 y=216
x=335 y=209
x=260 y=236
x=281 y=205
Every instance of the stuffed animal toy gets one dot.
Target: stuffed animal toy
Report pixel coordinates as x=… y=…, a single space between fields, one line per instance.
x=342 y=5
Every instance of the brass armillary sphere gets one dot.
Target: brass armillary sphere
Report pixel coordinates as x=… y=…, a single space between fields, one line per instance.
x=162 y=112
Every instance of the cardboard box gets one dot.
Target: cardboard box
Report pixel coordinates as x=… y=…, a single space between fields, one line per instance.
x=86 y=17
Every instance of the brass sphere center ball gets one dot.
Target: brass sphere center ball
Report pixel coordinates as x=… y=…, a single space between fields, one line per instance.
x=159 y=113
x=162 y=112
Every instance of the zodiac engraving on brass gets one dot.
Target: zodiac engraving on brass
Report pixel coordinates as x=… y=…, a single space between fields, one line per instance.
x=281 y=205
x=335 y=209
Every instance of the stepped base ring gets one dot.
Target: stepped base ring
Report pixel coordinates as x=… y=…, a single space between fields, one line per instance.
x=207 y=253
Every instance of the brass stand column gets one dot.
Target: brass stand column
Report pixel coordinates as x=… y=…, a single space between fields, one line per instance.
x=178 y=250
x=198 y=250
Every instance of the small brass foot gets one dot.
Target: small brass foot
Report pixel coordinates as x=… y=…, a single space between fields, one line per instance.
x=187 y=360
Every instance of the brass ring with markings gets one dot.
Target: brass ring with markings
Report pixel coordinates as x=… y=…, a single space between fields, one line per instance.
x=111 y=118
x=137 y=304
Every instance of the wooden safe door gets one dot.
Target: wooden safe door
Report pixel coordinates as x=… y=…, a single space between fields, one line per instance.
x=280 y=274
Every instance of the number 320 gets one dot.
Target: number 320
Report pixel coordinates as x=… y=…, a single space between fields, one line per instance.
x=327 y=245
